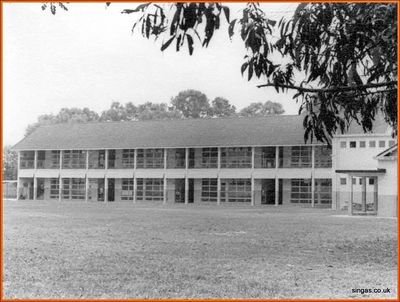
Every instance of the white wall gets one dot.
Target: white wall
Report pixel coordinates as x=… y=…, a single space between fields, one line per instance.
x=387 y=188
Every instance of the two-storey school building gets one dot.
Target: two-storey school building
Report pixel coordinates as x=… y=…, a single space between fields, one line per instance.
x=253 y=160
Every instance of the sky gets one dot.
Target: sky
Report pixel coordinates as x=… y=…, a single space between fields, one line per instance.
x=88 y=57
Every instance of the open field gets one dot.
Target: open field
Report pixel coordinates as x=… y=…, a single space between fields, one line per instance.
x=121 y=250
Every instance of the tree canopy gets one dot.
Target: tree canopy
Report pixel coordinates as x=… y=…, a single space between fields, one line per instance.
x=339 y=58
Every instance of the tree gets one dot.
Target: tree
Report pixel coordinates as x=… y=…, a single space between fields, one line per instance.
x=339 y=58
x=262 y=109
x=153 y=111
x=10 y=163
x=220 y=107
x=191 y=103
x=66 y=115
x=118 y=112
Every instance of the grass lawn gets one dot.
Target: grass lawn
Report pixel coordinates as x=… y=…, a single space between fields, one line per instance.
x=122 y=250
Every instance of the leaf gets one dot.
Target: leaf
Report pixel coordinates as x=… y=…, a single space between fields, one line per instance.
x=141 y=7
x=226 y=11
x=165 y=45
x=231 y=28
x=299 y=8
x=250 y=71
x=190 y=43
x=244 y=67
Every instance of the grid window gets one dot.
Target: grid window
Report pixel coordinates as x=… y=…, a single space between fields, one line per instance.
x=128 y=158
x=209 y=188
x=323 y=157
x=209 y=158
x=352 y=144
x=323 y=192
x=265 y=157
x=371 y=181
x=74 y=159
x=237 y=157
x=97 y=159
x=301 y=157
x=236 y=190
x=127 y=189
x=176 y=158
x=54 y=188
x=353 y=180
x=372 y=144
x=300 y=191
x=343 y=181
x=381 y=144
x=343 y=144
x=73 y=188
x=150 y=158
x=362 y=144
x=27 y=160
x=55 y=159
x=360 y=181
x=150 y=189
x=41 y=159
x=391 y=143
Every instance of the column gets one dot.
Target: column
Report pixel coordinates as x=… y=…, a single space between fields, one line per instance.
x=376 y=193
x=34 y=186
x=87 y=188
x=186 y=176
x=312 y=176
x=276 y=176
x=350 y=205
x=165 y=177
x=18 y=179
x=252 y=177
x=364 y=194
x=35 y=158
x=106 y=159
x=218 y=177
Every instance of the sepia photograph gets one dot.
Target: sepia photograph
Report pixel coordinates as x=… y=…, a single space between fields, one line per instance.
x=199 y=150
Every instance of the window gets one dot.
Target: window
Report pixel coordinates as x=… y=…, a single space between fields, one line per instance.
x=150 y=189
x=54 y=188
x=323 y=157
x=176 y=158
x=127 y=189
x=371 y=181
x=150 y=158
x=236 y=157
x=323 y=192
x=381 y=144
x=236 y=190
x=343 y=181
x=264 y=157
x=343 y=144
x=75 y=159
x=300 y=191
x=362 y=144
x=353 y=181
x=41 y=159
x=73 y=188
x=301 y=157
x=391 y=143
x=209 y=188
x=372 y=144
x=352 y=144
x=27 y=160
x=128 y=158
x=209 y=158
x=361 y=181
x=97 y=159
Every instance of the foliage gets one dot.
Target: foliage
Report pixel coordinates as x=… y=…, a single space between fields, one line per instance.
x=220 y=107
x=10 y=163
x=262 y=109
x=340 y=58
x=191 y=103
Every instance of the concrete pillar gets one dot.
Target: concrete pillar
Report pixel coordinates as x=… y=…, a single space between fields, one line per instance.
x=87 y=159
x=18 y=178
x=312 y=176
x=376 y=193
x=364 y=194
x=350 y=206
x=86 y=188
x=165 y=177
x=252 y=190
x=276 y=191
x=35 y=159
x=134 y=188
x=34 y=186
x=186 y=176
x=218 y=177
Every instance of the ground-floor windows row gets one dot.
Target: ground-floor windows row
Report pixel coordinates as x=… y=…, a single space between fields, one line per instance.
x=301 y=191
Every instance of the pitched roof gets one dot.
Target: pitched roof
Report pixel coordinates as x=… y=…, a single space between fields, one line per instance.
x=271 y=130
x=389 y=153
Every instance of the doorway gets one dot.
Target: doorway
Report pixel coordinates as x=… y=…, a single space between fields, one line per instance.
x=111 y=189
x=268 y=191
x=179 y=190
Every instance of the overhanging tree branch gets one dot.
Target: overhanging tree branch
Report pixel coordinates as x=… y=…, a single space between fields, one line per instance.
x=330 y=90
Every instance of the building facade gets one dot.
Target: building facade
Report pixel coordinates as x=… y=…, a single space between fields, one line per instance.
x=243 y=160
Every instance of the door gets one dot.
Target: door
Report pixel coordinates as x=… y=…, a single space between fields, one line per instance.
x=268 y=191
x=191 y=190
x=111 y=189
x=100 y=189
x=179 y=190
